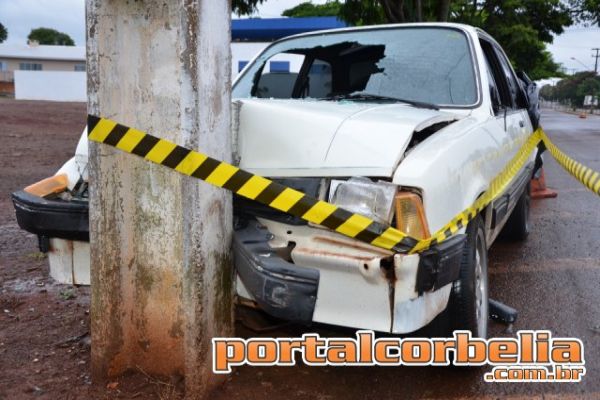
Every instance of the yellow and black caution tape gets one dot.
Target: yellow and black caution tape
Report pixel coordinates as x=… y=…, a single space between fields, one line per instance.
x=496 y=188
x=585 y=175
x=294 y=202
x=243 y=183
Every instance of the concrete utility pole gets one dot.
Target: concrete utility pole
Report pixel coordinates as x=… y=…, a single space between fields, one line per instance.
x=596 y=56
x=161 y=267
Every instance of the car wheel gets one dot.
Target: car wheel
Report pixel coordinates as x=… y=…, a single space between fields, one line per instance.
x=517 y=227
x=468 y=306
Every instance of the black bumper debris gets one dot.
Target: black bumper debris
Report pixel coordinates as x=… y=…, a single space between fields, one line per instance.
x=50 y=217
x=440 y=264
x=280 y=288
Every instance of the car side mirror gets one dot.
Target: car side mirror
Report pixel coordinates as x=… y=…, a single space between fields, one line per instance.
x=530 y=95
x=528 y=88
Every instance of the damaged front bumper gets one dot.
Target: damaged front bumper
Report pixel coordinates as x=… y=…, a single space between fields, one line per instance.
x=51 y=218
x=278 y=286
x=307 y=274
x=303 y=273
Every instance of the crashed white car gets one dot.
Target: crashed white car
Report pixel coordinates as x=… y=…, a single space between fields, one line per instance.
x=406 y=124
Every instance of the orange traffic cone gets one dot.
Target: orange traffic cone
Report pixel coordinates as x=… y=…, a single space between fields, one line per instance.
x=539 y=189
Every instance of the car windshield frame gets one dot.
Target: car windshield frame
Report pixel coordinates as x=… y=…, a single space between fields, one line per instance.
x=459 y=29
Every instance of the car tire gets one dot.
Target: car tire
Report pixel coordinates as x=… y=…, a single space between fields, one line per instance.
x=468 y=307
x=518 y=225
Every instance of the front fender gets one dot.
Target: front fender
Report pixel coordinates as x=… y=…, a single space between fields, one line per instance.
x=446 y=167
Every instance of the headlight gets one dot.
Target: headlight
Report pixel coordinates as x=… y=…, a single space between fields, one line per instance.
x=410 y=216
x=379 y=201
x=362 y=196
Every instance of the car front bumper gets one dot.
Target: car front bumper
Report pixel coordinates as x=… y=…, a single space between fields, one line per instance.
x=307 y=274
x=304 y=273
x=51 y=218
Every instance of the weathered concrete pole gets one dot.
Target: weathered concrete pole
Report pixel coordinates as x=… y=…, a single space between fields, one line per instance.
x=160 y=242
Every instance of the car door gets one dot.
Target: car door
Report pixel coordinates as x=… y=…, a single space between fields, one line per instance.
x=509 y=127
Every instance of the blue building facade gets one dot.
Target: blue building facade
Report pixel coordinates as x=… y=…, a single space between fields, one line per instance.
x=251 y=35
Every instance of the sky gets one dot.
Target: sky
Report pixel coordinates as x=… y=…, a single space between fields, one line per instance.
x=20 y=16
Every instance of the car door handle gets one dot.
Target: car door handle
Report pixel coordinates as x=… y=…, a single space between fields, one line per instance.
x=522 y=123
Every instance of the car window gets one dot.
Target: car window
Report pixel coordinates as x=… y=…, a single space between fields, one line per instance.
x=499 y=77
x=319 y=80
x=278 y=76
x=414 y=72
x=493 y=87
x=509 y=75
x=432 y=65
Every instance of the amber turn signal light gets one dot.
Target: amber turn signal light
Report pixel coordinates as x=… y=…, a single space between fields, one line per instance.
x=410 y=216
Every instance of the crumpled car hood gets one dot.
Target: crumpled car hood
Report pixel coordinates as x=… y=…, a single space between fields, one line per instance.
x=281 y=138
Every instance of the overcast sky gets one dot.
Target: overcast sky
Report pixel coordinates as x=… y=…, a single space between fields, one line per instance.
x=20 y=16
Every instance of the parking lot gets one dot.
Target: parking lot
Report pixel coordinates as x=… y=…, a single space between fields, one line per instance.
x=553 y=279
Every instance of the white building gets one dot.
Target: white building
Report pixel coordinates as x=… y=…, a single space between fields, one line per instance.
x=34 y=57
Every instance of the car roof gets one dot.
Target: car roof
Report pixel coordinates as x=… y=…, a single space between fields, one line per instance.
x=449 y=25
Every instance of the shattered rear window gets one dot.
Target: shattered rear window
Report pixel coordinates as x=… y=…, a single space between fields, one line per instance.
x=425 y=64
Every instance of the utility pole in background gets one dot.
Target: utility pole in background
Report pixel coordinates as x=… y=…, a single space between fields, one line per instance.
x=161 y=268
x=596 y=56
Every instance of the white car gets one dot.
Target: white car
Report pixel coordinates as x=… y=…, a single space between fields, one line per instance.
x=406 y=124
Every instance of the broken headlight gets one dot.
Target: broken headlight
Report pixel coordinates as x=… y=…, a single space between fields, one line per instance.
x=381 y=201
x=365 y=197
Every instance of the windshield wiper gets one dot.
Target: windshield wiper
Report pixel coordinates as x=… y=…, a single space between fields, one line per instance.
x=370 y=96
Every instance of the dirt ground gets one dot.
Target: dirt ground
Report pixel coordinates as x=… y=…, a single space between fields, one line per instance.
x=44 y=327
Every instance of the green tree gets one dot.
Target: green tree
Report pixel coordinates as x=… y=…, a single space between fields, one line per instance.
x=588 y=87
x=396 y=11
x=522 y=27
x=380 y=11
x=3 y=33
x=547 y=92
x=308 y=9
x=573 y=89
x=363 y=12
x=245 y=7
x=586 y=11
x=545 y=67
x=50 y=36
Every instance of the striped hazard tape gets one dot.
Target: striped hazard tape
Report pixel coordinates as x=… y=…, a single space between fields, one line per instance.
x=251 y=186
x=497 y=187
x=294 y=202
x=585 y=175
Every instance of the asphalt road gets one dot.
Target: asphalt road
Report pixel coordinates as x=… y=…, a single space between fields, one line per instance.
x=552 y=279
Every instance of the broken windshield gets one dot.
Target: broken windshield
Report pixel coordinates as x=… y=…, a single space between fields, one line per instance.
x=420 y=65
